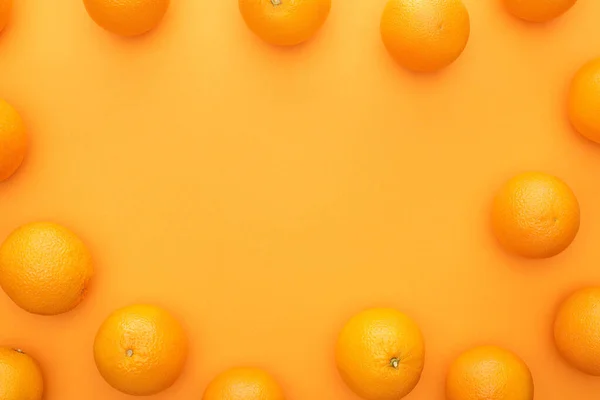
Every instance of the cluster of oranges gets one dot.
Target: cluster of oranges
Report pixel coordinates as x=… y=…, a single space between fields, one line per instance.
x=141 y=349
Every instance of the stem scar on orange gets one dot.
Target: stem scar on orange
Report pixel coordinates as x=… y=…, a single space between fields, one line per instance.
x=380 y=354
x=284 y=22
x=535 y=215
x=13 y=139
x=538 y=10
x=425 y=35
x=20 y=376
x=244 y=384
x=140 y=350
x=583 y=101
x=127 y=17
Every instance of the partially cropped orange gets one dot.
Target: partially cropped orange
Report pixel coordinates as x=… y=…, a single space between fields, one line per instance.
x=140 y=350
x=577 y=330
x=583 y=100
x=45 y=268
x=284 y=22
x=244 y=384
x=20 y=376
x=13 y=139
x=489 y=373
x=425 y=35
x=127 y=17
x=535 y=215
x=538 y=10
x=5 y=9
x=380 y=354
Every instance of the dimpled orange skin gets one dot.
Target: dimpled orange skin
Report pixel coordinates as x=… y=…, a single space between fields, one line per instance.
x=127 y=17
x=244 y=384
x=5 y=9
x=577 y=330
x=380 y=354
x=425 y=35
x=535 y=215
x=489 y=373
x=45 y=268
x=13 y=139
x=538 y=10
x=140 y=350
x=284 y=22
x=583 y=101
x=20 y=376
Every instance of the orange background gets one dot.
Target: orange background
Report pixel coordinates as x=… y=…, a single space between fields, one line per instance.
x=265 y=195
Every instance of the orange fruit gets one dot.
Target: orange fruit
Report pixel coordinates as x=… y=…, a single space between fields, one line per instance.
x=127 y=17
x=244 y=384
x=20 y=376
x=577 y=330
x=538 y=10
x=425 y=35
x=489 y=373
x=380 y=354
x=45 y=268
x=5 y=8
x=13 y=139
x=140 y=350
x=284 y=22
x=535 y=215
x=583 y=101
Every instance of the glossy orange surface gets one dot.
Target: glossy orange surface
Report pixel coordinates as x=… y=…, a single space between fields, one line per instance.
x=265 y=195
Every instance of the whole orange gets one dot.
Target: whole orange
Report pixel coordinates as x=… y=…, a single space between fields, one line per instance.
x=489 y=373
x=535 y=215
x=284 y=22
x=20 y=376
x=577 y=330
x=13 y=139
x=45 y=268
x=380 y=354
x=127 y=17
x=425 y=35
x=244 y=384
x=140 y=350
x=5 y=8
x=583 y=100
x=538 y=10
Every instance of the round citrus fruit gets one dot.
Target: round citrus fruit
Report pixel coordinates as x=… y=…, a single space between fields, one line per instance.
x=13 y=140
x=244 y=384
x=140 y=350
x=538 y=10
x=425 y=35
x=45 y=268
x=583 y=101
x=5 y=8
x=20 y=376
x=284 y=22
x=489 y=373
x=577 y=330
x=535 y=215
x=127 y=17
x=380 y=354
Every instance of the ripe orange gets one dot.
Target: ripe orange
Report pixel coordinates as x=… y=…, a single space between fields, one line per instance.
x=577 y=330
x=425 y=35
x=583 y=101
x=20 y=376
x=140 y=350
x=5 y=8
x=244 y=384
x=538 y=10
x=489 y=373
x=284 y=22
x=380 y=354
x=535 y=215
x=127 y=17
x=44 y=268
x=13 y=140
